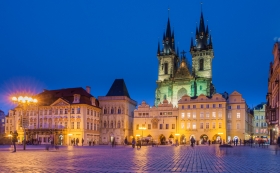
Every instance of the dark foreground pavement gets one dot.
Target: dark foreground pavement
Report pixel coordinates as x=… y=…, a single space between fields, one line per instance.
x=146 y=159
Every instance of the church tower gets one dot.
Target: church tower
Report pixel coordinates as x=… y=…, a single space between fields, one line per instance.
x=202 y=56
x=167 y=58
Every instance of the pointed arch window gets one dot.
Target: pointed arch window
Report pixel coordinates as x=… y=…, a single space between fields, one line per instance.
x=104 y=124
x=165 y=68
x=112 y=111
x=201 y=64
x=119 y=124
x=105 y=111
x=112 y=124
x=119 y=111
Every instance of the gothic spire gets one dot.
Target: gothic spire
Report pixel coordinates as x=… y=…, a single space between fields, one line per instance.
x=191 y=44
x=158 y=49
x=168 y=30
x=201 y=24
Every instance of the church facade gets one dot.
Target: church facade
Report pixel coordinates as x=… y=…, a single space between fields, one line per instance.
x=175 y=75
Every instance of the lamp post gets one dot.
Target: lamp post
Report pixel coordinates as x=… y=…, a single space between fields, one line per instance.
x=24 y=102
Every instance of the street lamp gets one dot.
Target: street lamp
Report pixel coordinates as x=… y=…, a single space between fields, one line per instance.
x=24 y=102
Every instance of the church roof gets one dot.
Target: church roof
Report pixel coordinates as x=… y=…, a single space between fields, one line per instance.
x=118 y=88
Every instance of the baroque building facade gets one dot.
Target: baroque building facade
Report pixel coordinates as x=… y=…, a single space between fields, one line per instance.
x=60 y=116
x=117 y=114
x=272 y=97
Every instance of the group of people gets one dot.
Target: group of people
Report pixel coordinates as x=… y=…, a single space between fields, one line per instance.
x=235 y=142
x=76 y=142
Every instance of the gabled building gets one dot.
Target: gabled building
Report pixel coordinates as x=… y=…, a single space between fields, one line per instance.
x=61 y=116
x=260 y=125
x=117 y=114
x=2 y=122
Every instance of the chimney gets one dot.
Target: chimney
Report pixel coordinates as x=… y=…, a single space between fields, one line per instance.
x=88 y=89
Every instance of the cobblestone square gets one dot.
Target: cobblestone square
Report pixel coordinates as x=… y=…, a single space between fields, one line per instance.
x=147 y=159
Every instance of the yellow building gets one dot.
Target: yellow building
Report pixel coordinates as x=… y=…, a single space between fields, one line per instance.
x=60 y=116
x=156 y=123
x=203 y=118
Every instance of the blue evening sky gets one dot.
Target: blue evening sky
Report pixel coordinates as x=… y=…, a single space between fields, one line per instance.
x=64 y=44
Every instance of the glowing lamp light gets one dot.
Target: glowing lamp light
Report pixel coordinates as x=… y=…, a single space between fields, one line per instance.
x=177 y=134
x=20 y=98
x=35 y=100
x=10 y=135
x=70 y=134
x=138 y=135
x=220 y=133
x=14 y=99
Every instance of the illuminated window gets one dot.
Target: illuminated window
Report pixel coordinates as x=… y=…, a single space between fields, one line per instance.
x=238 y=115
x=220 y=115
x=207 y=125
x=229 y=125
x=207 y=115
x=188 y=125
x=220 y=125
x=72 y=125
x=173 y=126
x=194 y=115
x=229 y=115
x=72 y=111
x=194 y=126
x=183 y=115
x=188 y=115
x=213 y=125
x=182 y=125
x=149 y=126
x=201 y=115
x=137 y=127
x=214 y=114
x=257 y=130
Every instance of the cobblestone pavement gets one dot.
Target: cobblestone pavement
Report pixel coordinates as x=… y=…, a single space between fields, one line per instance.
x=146 y=159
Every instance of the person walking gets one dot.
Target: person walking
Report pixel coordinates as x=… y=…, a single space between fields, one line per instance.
x=113 y=140
x=209 y=142
x=77 y=141
x=240 y=141
x=83 y=141
x=14 y=140
x=192 y=141
x=125 y=141
x=133 y=142
x=236 y=142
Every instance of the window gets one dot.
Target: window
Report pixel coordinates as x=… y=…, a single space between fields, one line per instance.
x=188 y=125
x=173 y=126
x=91 y=112
x=155 y=125
x=78 y=110
x=201 y=64
x=189 y=106
x=207 y=125
x=65 y=111
x=160 y=126
x=188 y=115
x=60 y=111
x=200 y=87
x=262 y=117
x=182 y=125
x=87 y=125
x=229 y=125
x=220 y=125
x=104 y=124
x=149 y=126
x=41 y=112
x=95 y=127
x=65 y=125
x=257 y=124
x=220 y=115
x=112 y=111
x=91 y=126
x=165 y=68
x=45 y=112
x=183 y=115
x=183 y=107
x=229 y=115
x=214 y=114
x=207 y=106
x=213 y=125
x=264 y=124
x=194 y=115
x=194 y=126
x=257 y=130
x=87 y=111
x=238 y=106
x=214 y=106
x=72 y=111
x=119 y=124
x=207 y=115
x=238 y=126
x=238 y=115
x=229 y=107
x=55 y=125
x=50 y=112
x=201 y=125
x=119 y=111
x=201 y=115
x=257 y=117
x=220 y=105
x=194 y=106
x=167 y=126
x=137 y=127
x=72 y=125
x=41 y=125
x=95 y=113
x=201 y=106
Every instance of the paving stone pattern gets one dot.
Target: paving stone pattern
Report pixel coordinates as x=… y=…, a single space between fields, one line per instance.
x=147 y=159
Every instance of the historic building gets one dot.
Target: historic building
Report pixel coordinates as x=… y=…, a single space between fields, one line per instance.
x=117 y=114
x=60 y=115
x=260 y=125
x=239 y=118
x=186 y=103
x=157 y=123
x=175 y=76
x=272 y=97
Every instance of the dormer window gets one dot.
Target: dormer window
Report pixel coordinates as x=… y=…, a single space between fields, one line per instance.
x=77 y=98
x=92 y=99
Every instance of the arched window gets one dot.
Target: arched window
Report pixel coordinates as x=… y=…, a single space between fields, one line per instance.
x=201 y=64
x=112 y=111
x=200 y=87
x=105 y=111
x=112 y=124
x=119 y=124
x=104 y=124
x=165 y=68
x=119 y=111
